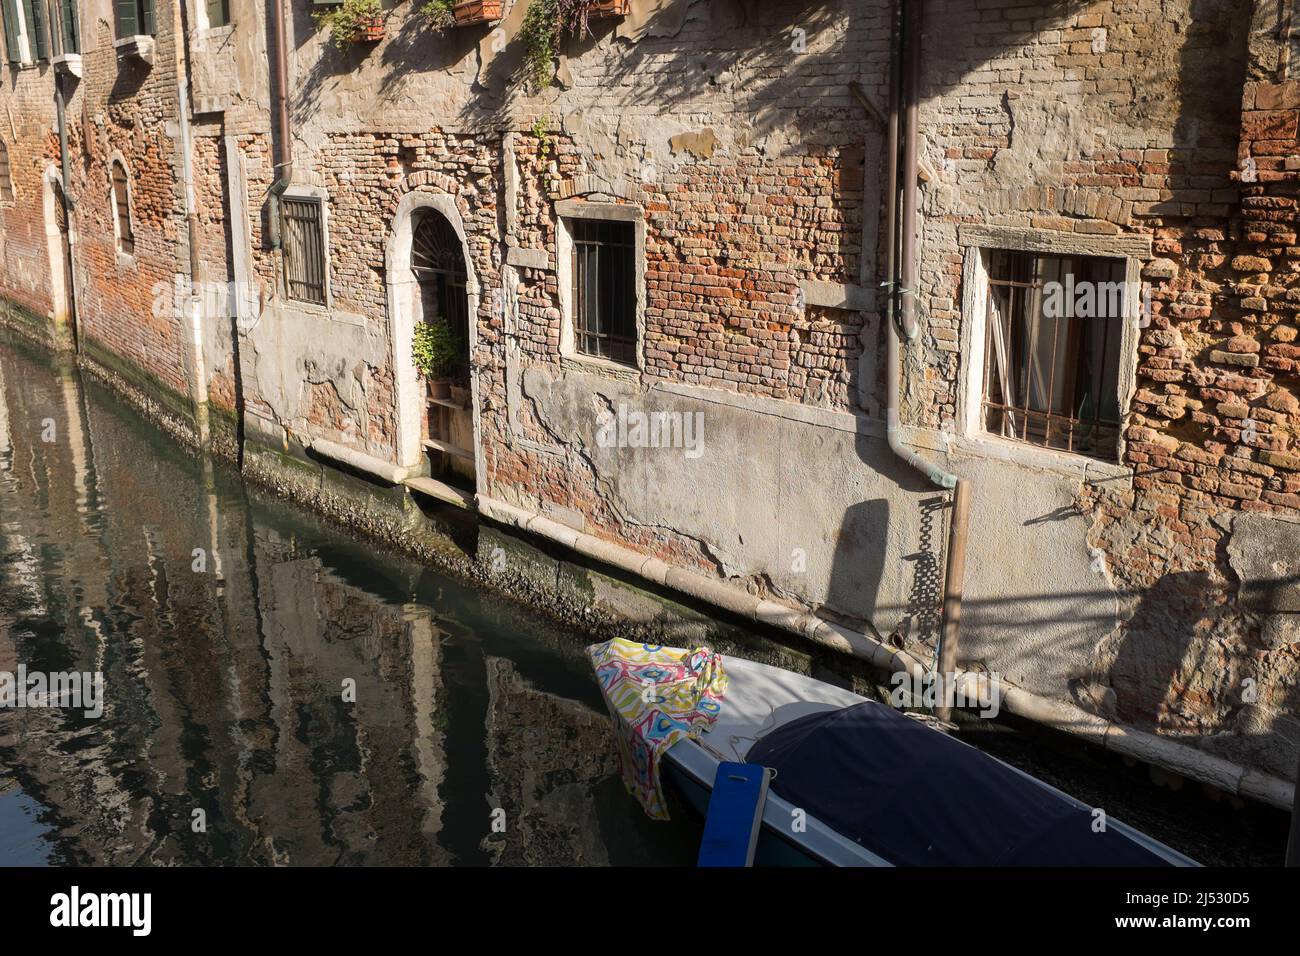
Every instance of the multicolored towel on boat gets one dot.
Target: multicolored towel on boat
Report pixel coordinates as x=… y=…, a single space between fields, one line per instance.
x=656 y=695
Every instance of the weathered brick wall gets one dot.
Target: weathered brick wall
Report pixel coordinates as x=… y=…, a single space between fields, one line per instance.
x=26 y=117
x=119 y=107
x=128 y=110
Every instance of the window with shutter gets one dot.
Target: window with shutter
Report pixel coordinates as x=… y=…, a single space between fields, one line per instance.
x=128 y=17
x=122 y=210
x=218 y=13
x=69 y=27
x=38 y=28
x=9 y=13
x=134 y=17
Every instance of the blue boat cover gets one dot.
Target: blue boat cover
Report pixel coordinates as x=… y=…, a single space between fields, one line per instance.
x=917 y=797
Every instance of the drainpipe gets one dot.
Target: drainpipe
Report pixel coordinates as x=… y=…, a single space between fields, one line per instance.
x=192 y=308
x=901 y=284
x=61 y=108
x=1293 y=841
x=285 y=164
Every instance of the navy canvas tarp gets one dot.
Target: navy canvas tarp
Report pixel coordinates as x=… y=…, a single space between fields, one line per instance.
x=920 y=798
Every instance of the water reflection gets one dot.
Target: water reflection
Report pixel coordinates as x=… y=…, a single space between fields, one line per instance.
x=229 y=629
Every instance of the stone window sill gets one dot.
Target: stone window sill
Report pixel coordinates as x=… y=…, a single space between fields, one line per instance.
x=69 y=63
x=1065 y=464
x=139 y=47
x=599 y=366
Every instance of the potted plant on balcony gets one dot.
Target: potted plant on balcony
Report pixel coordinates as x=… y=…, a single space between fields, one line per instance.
x=353 y=21
x=476 y=11
x=435 y=349
x=603 y=9
x=547 y=22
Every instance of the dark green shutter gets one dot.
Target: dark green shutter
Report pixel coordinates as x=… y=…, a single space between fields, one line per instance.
x=10 y=12
x=217 y=14
x=128 y=20
x=146 y=17
x=38 y=28
x=69 y=27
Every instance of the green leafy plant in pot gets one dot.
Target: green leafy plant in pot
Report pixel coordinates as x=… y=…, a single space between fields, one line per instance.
x=353 y=21
x=440 y=14
x=435 y=350
x=547 y=23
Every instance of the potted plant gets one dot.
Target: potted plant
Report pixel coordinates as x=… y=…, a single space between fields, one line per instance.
x=604 y=9
x=476 y=11
x=462 y=395
x=547 y=22
x=353 y=21
x=435 y=349
x=440 y=14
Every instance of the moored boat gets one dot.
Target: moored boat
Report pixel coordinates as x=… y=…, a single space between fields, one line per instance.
x=857 y=783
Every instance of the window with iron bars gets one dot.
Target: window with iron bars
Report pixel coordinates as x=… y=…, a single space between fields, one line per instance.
x=305 y=259
x=6 y=177
x=1052 y=351
x=122 y=209
x=604 y=288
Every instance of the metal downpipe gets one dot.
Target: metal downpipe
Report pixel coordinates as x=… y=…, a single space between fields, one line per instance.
x=901 y=286
x=285 y=165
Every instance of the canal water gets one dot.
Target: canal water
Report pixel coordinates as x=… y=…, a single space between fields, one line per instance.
x=229 y=626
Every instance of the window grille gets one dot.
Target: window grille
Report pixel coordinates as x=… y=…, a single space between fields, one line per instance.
x=304 y=250
x=1052 y=350
x=604 y=288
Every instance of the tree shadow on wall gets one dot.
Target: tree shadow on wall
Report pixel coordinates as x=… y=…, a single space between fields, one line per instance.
x=1191 y=663
x=770 y=55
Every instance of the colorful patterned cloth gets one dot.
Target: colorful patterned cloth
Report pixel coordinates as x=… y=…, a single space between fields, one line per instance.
x=656 y=695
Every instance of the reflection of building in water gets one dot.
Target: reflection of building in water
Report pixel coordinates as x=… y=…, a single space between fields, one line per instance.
x=225 y=672
x=554 y=771
x=224 y=690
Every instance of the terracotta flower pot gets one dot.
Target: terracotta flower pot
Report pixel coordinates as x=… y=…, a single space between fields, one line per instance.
x=476 y=11
x=601 y=9
x=438 y=387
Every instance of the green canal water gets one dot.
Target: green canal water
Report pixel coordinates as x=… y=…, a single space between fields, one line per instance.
x=225 y=686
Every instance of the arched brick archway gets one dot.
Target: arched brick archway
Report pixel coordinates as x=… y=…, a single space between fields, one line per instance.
x=403 y=312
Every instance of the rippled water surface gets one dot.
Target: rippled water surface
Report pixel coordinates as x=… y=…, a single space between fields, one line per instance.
x=224 y=686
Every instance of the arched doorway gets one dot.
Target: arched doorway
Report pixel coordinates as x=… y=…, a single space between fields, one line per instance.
x=442 y=301
x=431 y=277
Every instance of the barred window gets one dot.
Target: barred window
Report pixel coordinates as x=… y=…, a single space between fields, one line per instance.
x=6 y=179
x=604 y=288
x=305 y=258
x=1052 y=351
x=121 y=198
